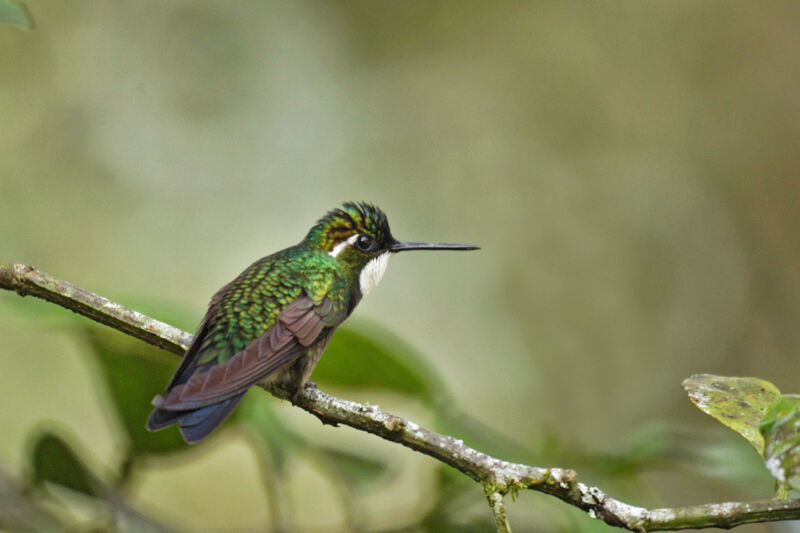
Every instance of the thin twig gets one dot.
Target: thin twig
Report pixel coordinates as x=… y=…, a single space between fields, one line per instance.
x=27 y=281
x=497 y=476
x=498 y=507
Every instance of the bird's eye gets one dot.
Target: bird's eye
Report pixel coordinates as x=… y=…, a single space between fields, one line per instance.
x=364 y=243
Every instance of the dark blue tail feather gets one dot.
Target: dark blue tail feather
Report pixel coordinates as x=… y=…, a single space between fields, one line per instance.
x=196 y=424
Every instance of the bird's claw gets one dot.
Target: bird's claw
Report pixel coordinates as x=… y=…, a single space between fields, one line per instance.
x=299 y=391
x=295 y=397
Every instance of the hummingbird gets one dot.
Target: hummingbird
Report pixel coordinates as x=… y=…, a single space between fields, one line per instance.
x=274 y=320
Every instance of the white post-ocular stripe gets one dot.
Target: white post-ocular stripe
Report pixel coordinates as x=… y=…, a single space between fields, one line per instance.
x=339 y=247
x=372 y=272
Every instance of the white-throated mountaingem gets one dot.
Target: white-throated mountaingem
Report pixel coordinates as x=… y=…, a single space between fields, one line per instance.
x=275 y=319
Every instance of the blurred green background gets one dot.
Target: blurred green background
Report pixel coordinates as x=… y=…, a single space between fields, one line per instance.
x=630 y=170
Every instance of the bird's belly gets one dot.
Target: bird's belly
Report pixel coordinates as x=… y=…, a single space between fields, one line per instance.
x=296 y=373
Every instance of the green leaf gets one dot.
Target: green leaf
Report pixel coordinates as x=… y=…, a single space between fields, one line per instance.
x=53 y=460
x=781 y=430
x=368 y=356
x=14 y=13
x=135 y=372
x=785 y=405
x=739 y=403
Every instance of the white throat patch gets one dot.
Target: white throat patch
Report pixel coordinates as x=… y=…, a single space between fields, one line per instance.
x=372 y=272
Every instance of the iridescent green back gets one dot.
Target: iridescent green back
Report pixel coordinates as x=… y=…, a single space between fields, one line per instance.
x=250 y=304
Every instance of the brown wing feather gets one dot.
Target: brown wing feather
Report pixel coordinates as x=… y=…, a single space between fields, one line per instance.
x=188 y=356
x=298 y=326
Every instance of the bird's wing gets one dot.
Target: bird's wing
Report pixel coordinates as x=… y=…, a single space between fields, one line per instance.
x=298 y=326
x=189 y=361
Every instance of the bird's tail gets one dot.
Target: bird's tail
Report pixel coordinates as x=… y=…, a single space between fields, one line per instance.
x=194 y=424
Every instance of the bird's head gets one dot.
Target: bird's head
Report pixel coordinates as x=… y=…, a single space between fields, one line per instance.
x=357 y=235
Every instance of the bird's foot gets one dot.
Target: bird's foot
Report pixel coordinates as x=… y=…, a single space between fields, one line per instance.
x=299 y=390
x=295 y=397
x=309 y=386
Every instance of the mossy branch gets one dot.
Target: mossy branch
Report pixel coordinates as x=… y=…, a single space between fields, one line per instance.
x=498 y=507
x=498 y=477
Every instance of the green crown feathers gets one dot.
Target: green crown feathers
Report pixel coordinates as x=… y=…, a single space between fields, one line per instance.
x=352 y=218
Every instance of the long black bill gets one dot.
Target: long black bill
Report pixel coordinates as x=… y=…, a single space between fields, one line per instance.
x=397 y=246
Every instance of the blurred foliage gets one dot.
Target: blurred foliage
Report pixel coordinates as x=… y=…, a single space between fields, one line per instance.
x=629 y=168
x=369 y=356
x=271 y=434
x=20 y=512
x=54 y=461
x=14 y=13
x=781 y=430
x=54 y=465
x=353 y=470
x=782 y=406
x=134 y=372
x=455 y=494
